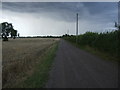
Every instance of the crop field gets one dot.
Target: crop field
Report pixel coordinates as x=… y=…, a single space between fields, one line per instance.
x=20 y=56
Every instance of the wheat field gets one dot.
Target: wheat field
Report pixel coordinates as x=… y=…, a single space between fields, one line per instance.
x=19 y=56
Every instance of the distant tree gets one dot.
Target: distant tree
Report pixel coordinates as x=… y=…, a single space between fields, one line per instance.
x=7 y=29
x=18 y=34
x=117 y=25
x=13 y=34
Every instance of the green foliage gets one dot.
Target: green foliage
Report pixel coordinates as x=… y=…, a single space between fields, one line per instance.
x=13 y=33
x=107 y=42
x=7 y=29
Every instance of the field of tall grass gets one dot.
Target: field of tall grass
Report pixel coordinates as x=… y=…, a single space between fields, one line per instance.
x=106 y=42
x=20 y=57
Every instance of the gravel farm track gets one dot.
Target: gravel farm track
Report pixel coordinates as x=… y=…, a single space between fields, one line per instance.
x=75 y=68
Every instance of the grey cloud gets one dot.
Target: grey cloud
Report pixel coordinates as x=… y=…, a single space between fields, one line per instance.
x=96 y=12
x=64 y=10
x=61 y=11
x=100 y=7
x=40 y=6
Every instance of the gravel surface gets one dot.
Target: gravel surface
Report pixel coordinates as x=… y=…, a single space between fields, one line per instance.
x=75 y=68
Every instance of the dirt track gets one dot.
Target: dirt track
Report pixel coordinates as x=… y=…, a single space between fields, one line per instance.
x=75 y=68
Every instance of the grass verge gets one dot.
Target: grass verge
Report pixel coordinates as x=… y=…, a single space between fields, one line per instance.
x=40 y=76
x=101 y=54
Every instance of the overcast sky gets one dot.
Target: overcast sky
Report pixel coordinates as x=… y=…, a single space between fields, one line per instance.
x=50 y=18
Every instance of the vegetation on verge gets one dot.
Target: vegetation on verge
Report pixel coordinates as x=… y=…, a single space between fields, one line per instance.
x=106 y=43
x=40 y=75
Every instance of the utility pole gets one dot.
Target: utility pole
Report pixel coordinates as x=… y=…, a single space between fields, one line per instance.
x=76 y=27
x=68 y=32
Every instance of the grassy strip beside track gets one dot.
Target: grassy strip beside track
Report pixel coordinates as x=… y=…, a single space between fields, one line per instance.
x=101 y=54
x=40 y=75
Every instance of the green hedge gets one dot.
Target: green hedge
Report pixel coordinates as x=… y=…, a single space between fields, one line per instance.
x=108 y=42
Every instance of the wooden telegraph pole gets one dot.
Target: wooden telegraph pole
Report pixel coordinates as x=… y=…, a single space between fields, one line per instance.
x=76 y=27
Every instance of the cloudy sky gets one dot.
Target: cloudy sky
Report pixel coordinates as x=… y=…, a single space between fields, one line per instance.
x=58 y=18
